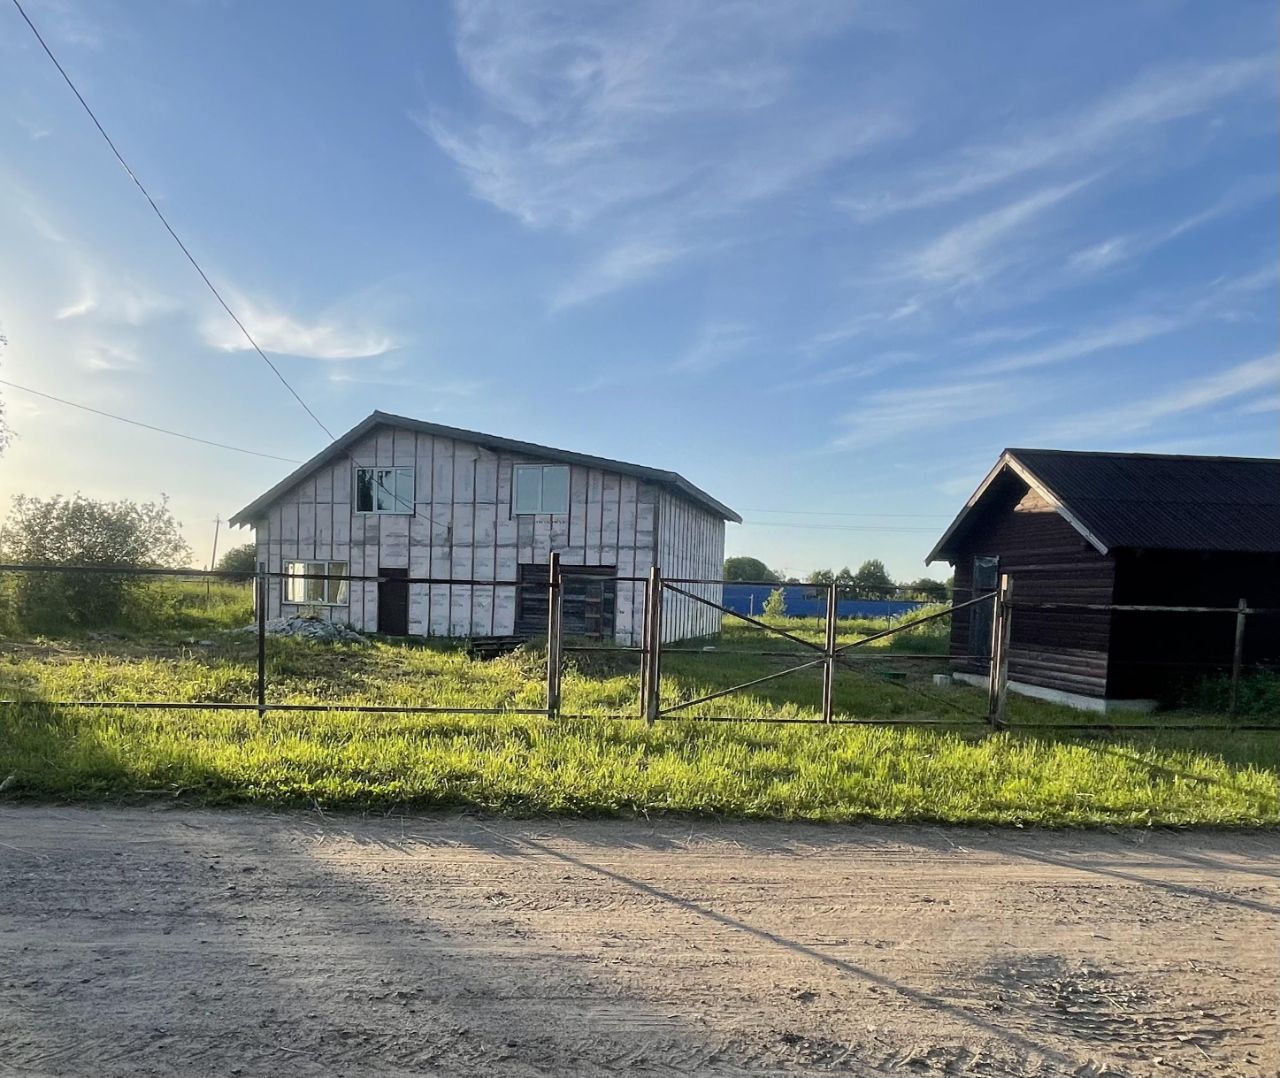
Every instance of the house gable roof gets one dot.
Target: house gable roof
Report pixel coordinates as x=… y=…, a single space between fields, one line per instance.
x=673 y=481
x=1145 y=500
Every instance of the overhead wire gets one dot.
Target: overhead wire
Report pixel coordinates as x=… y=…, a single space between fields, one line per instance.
x=165 y=221
x=147 y=426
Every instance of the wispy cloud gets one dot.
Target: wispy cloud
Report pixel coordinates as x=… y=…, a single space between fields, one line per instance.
x=1214 y=300
x=974 y=249
x=328 y=338
x=457 y=387
x=645 y=121
x=862 y=368
x=630 y=262
x=1126 y=248
x=717 y=343
x=1190 y=396
x=899 y=413
x=102 y=357
x=1269 y=403
x=114 y=301
x=1118 y=120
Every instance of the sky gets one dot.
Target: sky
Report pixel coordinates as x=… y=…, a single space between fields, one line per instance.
x=826 y=260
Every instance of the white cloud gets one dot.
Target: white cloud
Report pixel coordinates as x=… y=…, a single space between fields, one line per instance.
x=1270 y=403
x=645 y=121
x=1190 y=396
x=969 y=251
x=275 y=331
x=717 y=343
x=892 y=415
x=110 y=358
x=1155 y=98
x=628 y=263
x=862 y=368
x=1212 y=301
x=1111 y=252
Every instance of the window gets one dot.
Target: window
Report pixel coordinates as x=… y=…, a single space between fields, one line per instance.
x=303 y=586
x=541 y=489
x=384 y=490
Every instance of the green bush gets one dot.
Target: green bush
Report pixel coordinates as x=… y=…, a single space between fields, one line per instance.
x=79 y=531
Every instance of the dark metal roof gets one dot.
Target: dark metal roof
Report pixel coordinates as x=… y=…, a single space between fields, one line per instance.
x=671 y=480
x=1149 y=500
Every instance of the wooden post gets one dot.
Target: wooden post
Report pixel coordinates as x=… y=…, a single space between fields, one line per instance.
x=555 y=594
x=262 y=643
x=829 y=663
x=1001 y=627
x=653 y=648
x=1237 y=655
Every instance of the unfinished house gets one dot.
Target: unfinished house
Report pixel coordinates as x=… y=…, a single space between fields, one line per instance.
x=399 y=499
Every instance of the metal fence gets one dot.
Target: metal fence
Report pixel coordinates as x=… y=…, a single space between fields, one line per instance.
x=829 y=656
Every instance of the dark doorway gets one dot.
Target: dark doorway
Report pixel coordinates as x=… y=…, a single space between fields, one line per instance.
x=590 y=594
x=393 y=603
x=986 y=577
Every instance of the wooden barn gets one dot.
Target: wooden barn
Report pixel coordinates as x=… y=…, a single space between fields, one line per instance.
x=1117 y=529
x=401 y=498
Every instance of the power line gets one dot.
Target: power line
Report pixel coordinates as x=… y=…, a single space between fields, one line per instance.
x=145 y=426
x=832 y=513
x=164 y=221
x=834 y=527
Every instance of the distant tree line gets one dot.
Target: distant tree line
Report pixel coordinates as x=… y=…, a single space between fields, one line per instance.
x=870 y=581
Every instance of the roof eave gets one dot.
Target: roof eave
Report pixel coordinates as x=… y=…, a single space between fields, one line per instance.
x=1008 y=459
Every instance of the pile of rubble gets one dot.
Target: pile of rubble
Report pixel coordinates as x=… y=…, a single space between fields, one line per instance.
x=310 y=629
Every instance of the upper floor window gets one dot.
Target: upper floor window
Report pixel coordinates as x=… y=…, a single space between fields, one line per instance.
x=384 y=490
x=541 y=488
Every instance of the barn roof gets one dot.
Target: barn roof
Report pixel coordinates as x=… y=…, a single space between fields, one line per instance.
x=1148 y=500
x=673 y=481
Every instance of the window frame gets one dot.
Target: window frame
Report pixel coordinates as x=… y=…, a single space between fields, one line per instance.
x=541 y=510
x=336 y=592
x=396 y=470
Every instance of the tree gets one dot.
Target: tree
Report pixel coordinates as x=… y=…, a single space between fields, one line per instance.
x=744 y=568
x=240 y=559
x=82 y=531
x=775 y=606
x=872 y=580
x=931 y=591
x=820 y=577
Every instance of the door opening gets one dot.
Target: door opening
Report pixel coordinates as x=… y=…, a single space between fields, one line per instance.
x=393 y=603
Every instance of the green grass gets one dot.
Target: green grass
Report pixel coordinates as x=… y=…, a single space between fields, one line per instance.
x=956 y=773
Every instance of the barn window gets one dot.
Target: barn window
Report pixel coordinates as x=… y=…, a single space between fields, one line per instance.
x=384 y=490
x=304 y=582
x=541 y=489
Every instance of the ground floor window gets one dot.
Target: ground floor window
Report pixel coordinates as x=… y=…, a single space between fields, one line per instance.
x=304 y=583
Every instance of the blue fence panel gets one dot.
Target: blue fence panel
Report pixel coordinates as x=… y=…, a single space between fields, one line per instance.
x=805 y=601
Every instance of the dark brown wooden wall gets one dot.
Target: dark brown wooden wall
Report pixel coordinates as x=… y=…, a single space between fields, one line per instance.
x=1156 y=655
x=1049 y=561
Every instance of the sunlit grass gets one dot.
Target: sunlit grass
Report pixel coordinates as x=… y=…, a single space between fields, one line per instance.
x=530 y=764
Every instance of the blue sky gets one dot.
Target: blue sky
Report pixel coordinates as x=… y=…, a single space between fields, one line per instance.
x=827 y=260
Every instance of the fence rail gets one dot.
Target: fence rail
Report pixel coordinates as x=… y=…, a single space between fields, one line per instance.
x=829 y=655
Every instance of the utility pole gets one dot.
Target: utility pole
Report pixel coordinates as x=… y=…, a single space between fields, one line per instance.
x=213 y=557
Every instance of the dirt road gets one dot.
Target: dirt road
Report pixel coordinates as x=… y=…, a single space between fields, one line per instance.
x=141 y=942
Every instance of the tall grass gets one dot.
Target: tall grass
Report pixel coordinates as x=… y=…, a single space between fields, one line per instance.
x=591 y=764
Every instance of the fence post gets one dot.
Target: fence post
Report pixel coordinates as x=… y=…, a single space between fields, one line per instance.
x=263 y=592
x=653 y=647
x=1237 y=655
x=998 y=678
x=829 y=652
x=555 y=594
